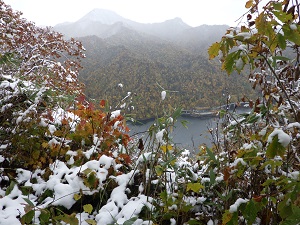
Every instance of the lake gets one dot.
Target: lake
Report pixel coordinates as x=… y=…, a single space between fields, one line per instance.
x=190 y=138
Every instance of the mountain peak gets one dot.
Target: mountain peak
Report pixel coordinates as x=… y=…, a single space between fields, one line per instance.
x=104 y=16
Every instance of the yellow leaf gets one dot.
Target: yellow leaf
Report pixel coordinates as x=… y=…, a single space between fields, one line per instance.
x=226 y=217
x=159 y=170
x=35 y=154
x=195 y=187
x=213 y=50
x=77 y=197
x=45 y=144
x=249 y=4
x=88 y=208
x=166 y=148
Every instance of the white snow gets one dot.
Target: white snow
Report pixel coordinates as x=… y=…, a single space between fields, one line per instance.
x=283 y=138
x=293 y=26
x=292 y=125
x=172 y=221
x=159 y=136
x=233 y=208
x=210 y=222
x=115 y=114
x=245 y=35
x=237 y=161
x=163 y=95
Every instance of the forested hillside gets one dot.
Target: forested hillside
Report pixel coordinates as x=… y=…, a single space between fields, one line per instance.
x=142 y=64
x=148 y=57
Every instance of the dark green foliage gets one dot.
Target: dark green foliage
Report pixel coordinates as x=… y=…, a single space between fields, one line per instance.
x=141 y=63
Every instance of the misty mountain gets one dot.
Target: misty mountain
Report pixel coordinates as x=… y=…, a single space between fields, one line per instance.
x=144 y=57
x=104 y=23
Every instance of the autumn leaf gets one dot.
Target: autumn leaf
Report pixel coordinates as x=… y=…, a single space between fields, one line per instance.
x=88 y=208
x=213 y=50
x=77 y=197
x=159 y=170
x=102 y=103
x=195 y=187
x=226 y=217
x=166 y=148
x=249 y=4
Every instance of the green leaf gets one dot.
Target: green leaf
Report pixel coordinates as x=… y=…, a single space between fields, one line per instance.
x=184 y=123
x=294 y=218
x=69 y=219
x=213 y=50
x=281 y=41
x=275 y=148
x=250 y=212
x=222 y=113
x=159 y=170
x=193 y=222
x=211 y=155
x=87 y=171
x=44 y=217
x=278 y=57
x=27 y=218
x=177 y=113
x=195 y=187
x=292 y=35
x=29 y=202
x=130 y=221
x=282 y=16
x=88 y=208
x=212 y=176
x=10 y=187
x=230 y=60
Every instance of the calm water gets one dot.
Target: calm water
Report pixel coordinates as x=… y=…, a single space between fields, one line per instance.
x=191 y=137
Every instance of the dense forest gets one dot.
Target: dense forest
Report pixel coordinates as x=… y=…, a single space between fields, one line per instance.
x=148 y=58
x=143 y=67
x=67 y=160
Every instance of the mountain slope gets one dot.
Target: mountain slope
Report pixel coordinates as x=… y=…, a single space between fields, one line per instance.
x=144 y=66
x=146 y=57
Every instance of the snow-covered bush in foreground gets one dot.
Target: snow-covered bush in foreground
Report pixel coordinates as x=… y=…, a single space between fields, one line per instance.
x=259 y=157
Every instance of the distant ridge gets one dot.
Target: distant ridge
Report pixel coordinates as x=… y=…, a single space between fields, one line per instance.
x=98 y=21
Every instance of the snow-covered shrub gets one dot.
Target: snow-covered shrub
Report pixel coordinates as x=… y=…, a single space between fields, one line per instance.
x=259 y=154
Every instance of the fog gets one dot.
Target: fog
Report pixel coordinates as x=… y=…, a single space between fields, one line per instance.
x=192 y=12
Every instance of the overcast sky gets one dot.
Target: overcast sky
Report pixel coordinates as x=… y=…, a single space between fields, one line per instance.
x=192 y=12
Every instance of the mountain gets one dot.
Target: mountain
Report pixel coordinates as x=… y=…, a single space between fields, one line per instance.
x=146 y=57
x=99 y=21
x=103 y=16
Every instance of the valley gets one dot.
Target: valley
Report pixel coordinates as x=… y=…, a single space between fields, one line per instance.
x=149 y=58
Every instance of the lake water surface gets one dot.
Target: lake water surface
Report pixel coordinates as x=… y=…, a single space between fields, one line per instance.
x=190 y=138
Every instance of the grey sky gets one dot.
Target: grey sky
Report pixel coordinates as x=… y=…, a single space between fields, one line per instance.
x=193 y=12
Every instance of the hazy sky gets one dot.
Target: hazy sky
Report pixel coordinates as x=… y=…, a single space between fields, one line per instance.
x=192 y=12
